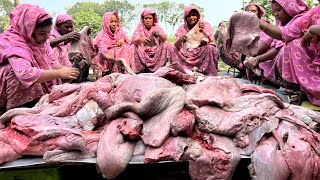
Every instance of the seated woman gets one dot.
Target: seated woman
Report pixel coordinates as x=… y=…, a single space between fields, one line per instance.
x=27 y=67
x=234 y=60
x=295 y=66
x=112 y=43
x=150 y=44
x=204 y=57
x=61 y=36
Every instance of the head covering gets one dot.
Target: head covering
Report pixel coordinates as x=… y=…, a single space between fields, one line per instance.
x=62 y=18
x=187 y=11
x=141 y=30
x=260 y=8
x=147 y=11
x=293 y=7
x=105 y=38
x=17 y=40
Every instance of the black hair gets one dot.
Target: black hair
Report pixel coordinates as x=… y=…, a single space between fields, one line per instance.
x=46 y=22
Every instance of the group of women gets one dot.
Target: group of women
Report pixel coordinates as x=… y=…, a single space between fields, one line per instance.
x=289 y=51
x=30 y=64
x=33 y=57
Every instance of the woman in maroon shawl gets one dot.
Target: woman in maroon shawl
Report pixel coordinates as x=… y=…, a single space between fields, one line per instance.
x=112 y=42
x=150 y=44
x=61 y=36
x=203 y=58
x=27 y=67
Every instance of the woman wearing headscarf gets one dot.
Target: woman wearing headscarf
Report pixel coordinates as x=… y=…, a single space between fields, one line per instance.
x=27 y=67
x=205 y=57
x=294 y=66
x=61 y=36
x=150 y=44
x=112 y=42
x=267 y=49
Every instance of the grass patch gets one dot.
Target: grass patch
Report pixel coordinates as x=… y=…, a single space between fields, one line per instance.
x=171 y=39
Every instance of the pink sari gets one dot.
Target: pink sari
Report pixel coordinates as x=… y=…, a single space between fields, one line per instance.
x=149 y=58
x=22 y=60
x=106 y=42
x=295 y=9
x=204 y=57
x=299 y=65
x=60 y=52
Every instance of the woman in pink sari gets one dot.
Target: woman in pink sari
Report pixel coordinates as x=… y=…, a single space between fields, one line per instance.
x=27 y=67
x=204 y=57
x=112 y=43
x=150 y=44
x=295 y=66
x=61 y=36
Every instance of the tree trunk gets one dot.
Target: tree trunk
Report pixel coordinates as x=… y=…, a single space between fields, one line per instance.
x=16 y=3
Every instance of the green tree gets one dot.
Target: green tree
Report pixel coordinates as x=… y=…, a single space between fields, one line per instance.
x=126 y=10
x=85 y=7
x=5 y=7
x=88 y=18
x=267 y=6
x=311 y=3
x=168 y=12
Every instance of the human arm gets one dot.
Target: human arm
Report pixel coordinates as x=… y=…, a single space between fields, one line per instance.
x=140 y=40
x=312 y=32
x=206 y=29
x=271 y=30
x=162 y=36
x=315 y=30
x=63 y=73
x=180 y=41
x=253 y=62
x=120 y=42
x=72 y=36
x=263 y=47
x=28 y=74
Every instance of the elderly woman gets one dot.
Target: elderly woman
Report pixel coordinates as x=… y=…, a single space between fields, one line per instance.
x=112 y=42
x=150 y=45
x=61 y=36
x=27 y=67
x=205 y=57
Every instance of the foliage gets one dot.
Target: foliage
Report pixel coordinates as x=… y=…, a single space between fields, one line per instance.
x=88 y=18
x=168 y=12
x=266 y=5
x=126 y=10
x=5 y=8
x=86 y=7
x=123 y=7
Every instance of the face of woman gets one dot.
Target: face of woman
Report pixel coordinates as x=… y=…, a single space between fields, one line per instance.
x=280 y=13
x=192 y=18
x=254 y=9
x=66 y=27
x=42 y=34
x=113 y=23
x=148 y=21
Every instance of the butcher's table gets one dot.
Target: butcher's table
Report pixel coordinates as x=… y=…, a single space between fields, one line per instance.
x=34 y=168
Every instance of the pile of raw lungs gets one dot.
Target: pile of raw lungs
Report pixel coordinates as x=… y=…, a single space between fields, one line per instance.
x=167 y=115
